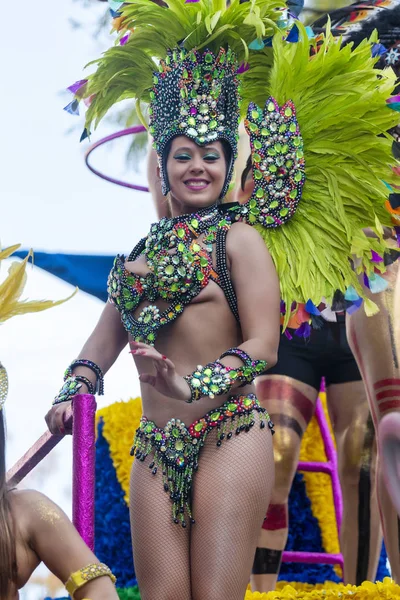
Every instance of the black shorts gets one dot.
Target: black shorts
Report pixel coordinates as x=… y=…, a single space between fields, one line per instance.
x=325 y=353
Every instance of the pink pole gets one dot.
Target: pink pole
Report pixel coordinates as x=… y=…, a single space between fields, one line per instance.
x=83 y=485
x=313 y=558
x=332 y=458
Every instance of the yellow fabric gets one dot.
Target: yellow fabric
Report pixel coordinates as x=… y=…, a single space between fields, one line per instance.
x=121 y=420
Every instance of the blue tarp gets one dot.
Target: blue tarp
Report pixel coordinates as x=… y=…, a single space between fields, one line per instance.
x=88 y=272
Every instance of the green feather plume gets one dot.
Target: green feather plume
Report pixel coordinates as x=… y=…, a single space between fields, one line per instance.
x=341 y=108
x=127 y=71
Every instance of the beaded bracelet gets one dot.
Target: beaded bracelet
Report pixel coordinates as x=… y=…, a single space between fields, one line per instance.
x=239 y=353
x=83 y=362
x=251 y=369
x=79 y=578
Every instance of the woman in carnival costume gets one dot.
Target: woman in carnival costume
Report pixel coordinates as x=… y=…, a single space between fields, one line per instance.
x=345 y=159
x=372 y=341
x=190 y=298
x=32 y=528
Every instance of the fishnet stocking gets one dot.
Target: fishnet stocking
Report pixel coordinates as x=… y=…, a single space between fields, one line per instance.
x=231 y=494
x=160 y=547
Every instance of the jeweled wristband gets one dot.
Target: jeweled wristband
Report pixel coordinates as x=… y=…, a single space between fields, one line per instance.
x=71 y=387
x=211 y=380
x=89 y=364
x=216 y=379
x=79 y=578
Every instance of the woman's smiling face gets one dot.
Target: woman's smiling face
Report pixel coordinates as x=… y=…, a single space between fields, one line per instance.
x=196 y=174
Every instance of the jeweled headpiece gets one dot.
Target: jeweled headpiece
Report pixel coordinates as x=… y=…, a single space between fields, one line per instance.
x=182 y=60
x=195 y=94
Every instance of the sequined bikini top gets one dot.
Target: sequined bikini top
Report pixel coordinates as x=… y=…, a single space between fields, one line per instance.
x=179 y=268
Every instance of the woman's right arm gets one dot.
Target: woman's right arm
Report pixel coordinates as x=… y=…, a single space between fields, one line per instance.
x=56 y=542
x=103 y=347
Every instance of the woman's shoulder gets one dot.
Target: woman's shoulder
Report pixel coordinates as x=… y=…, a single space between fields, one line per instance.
x=244 y=238
x=29 y=505
x=25 y=501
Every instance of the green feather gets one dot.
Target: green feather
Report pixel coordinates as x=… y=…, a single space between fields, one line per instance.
x=341 y=108
x=127 y=71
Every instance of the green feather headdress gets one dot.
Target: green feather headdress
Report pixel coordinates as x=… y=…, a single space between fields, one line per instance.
x=126 y=71
x=340 y=102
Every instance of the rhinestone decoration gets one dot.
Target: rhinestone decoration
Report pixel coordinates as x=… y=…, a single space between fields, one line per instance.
x=176 y=448
x=3 y=385
x=96 y=570
x=278 y=164
x=196 y=94
x=180 y=267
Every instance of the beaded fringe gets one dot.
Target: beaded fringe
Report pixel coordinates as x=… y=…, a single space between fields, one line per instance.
x=176 y=448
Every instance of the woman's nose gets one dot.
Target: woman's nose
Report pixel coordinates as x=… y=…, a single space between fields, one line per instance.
x=197 y=165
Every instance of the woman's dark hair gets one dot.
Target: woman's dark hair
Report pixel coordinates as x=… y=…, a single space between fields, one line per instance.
x=245 y=172
x=8 y=553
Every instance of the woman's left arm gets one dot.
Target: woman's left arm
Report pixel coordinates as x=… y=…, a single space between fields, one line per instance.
x=256 y=285
x=257 y=289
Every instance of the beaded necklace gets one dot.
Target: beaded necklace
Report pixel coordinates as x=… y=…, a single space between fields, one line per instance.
x=179 y=269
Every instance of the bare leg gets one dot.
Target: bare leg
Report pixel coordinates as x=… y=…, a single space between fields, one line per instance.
x=231 y=493
x=389 y=427
x=160 y=547
x=360 y=538
x=372 y=343
x=290 y=404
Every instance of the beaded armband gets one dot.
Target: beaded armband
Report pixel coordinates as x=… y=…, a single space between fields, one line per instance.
x=251 y=369
x=83 y=362
x=73 y=383
x=83 y=576
x=216 y=378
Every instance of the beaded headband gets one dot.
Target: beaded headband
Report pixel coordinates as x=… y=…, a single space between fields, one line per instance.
x=196 y=95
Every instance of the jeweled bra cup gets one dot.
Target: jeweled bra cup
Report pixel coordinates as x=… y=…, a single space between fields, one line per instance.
x=176 y=448
x=180 y=267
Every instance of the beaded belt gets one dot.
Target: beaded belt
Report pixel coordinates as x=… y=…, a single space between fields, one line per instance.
x=177 y=448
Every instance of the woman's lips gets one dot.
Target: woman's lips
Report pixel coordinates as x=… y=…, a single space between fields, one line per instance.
x=196 y=185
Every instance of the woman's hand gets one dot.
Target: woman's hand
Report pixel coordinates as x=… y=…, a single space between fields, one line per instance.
x=165 y=380
x=55 y=418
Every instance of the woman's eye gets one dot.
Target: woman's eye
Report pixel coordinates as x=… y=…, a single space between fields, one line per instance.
x=182 y=157
x=211 y=157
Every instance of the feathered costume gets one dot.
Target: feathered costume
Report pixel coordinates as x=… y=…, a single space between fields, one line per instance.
x=340 y=122
x=320 y=149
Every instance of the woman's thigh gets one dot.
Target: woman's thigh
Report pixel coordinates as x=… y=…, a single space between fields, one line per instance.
x=231 y=494
x=160 y=547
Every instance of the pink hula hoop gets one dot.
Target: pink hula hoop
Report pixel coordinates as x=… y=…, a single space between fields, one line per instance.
x=130 y=131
